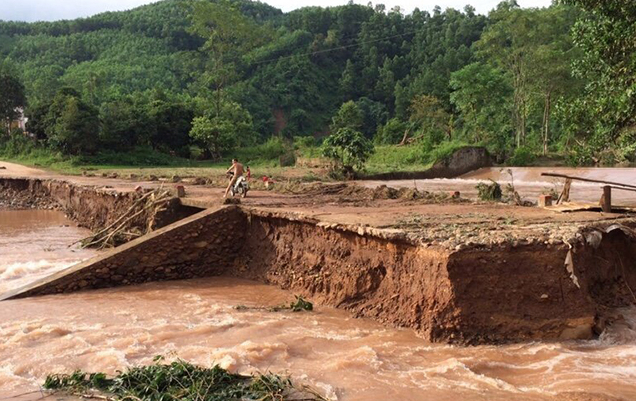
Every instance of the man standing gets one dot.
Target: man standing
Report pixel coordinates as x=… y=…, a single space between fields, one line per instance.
x=237 y=171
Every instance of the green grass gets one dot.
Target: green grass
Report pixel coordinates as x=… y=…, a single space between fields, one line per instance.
x=151 y=161
x=263 y=159
x=180 y=380
x=389 y=158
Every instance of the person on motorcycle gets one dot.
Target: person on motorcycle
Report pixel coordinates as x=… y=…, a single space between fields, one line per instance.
x=236 y=171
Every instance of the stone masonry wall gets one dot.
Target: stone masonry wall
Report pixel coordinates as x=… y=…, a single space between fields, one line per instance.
x=204 y=244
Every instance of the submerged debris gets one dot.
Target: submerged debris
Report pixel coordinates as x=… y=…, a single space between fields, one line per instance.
x=179 y=380
x=299 y=305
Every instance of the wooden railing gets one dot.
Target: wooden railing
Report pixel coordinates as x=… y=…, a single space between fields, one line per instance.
x=606 y=198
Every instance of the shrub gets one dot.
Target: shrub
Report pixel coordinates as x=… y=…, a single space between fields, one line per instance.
x=445 y=150
x=390 y=133
x=16 y=144
x=287 y=159
x=348 y=148
x=139 y=156
x=270 y=151
x=489 y=192
x=180 y=380
x=522 y=156
x=301 y=142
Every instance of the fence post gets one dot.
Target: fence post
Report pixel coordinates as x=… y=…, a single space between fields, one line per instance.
x=606 y=199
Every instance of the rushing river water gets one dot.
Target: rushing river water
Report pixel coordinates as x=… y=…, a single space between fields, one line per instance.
x=529 y=182
x=35 y=243
x=345 y=358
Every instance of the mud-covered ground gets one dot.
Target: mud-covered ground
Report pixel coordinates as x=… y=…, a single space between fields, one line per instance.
x=428 y=213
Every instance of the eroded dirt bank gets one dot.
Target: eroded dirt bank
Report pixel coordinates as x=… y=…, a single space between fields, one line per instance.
x=380 y=274
x=474 y=295
x=508 y=291
x=90 y=206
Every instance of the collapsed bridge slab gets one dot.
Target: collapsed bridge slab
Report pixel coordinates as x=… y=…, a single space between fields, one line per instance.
x=473 y=295
x=479 y=293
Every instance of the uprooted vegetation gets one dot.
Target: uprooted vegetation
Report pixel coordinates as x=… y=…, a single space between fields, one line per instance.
x=299 y=305
x=489 y=192
x=494 y=193
x=345 y=193
x=179 y=380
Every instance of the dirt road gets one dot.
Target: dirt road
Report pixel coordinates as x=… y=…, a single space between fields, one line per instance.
x=431 y=218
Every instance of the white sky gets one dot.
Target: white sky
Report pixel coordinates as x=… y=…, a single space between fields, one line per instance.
x=49 y=10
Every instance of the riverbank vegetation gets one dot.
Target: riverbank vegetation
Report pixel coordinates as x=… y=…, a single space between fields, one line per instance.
x=179 y=380
x=194 y=83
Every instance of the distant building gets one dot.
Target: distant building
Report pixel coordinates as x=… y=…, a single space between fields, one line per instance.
x=20 y=122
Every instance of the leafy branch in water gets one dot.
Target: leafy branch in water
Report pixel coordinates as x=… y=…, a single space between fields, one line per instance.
x=299 y=305
x=180 y=380
x=489 y=192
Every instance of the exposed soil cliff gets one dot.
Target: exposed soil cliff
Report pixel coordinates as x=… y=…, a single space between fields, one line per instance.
x=391 y=280
x=475 y=295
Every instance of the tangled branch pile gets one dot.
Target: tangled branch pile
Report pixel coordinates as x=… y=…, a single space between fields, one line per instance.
x=180 y=380
x=138 y=220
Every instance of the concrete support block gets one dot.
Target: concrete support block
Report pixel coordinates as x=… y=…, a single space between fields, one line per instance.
x=545 y=200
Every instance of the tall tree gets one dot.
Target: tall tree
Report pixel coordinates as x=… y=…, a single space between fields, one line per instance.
x=12 y=98
x=228 y=34
x=348 y=116
x=504 y=43
x=231 y=128
x=428 y=114
x=72 y=124
x=534 y=48
x=605 y=35
x=482 y=94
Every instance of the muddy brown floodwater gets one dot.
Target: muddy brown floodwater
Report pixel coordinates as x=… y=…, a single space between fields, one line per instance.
x=529 y=183
x=345 y=358
x=35 y=243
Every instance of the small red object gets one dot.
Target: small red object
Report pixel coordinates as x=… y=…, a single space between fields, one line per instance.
x=180 y=191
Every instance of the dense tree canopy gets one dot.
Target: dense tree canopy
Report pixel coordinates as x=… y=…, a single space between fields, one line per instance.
x=605 y=115
x=228 y=73
x=12 y=97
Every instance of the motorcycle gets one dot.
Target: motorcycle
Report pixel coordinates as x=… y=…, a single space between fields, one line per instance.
x=240 y=187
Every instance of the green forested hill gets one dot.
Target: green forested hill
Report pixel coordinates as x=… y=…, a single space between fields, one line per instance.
x=226 y=74
x=112 y=53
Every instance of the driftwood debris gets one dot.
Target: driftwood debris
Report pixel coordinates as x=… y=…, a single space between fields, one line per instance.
x=128 y=226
